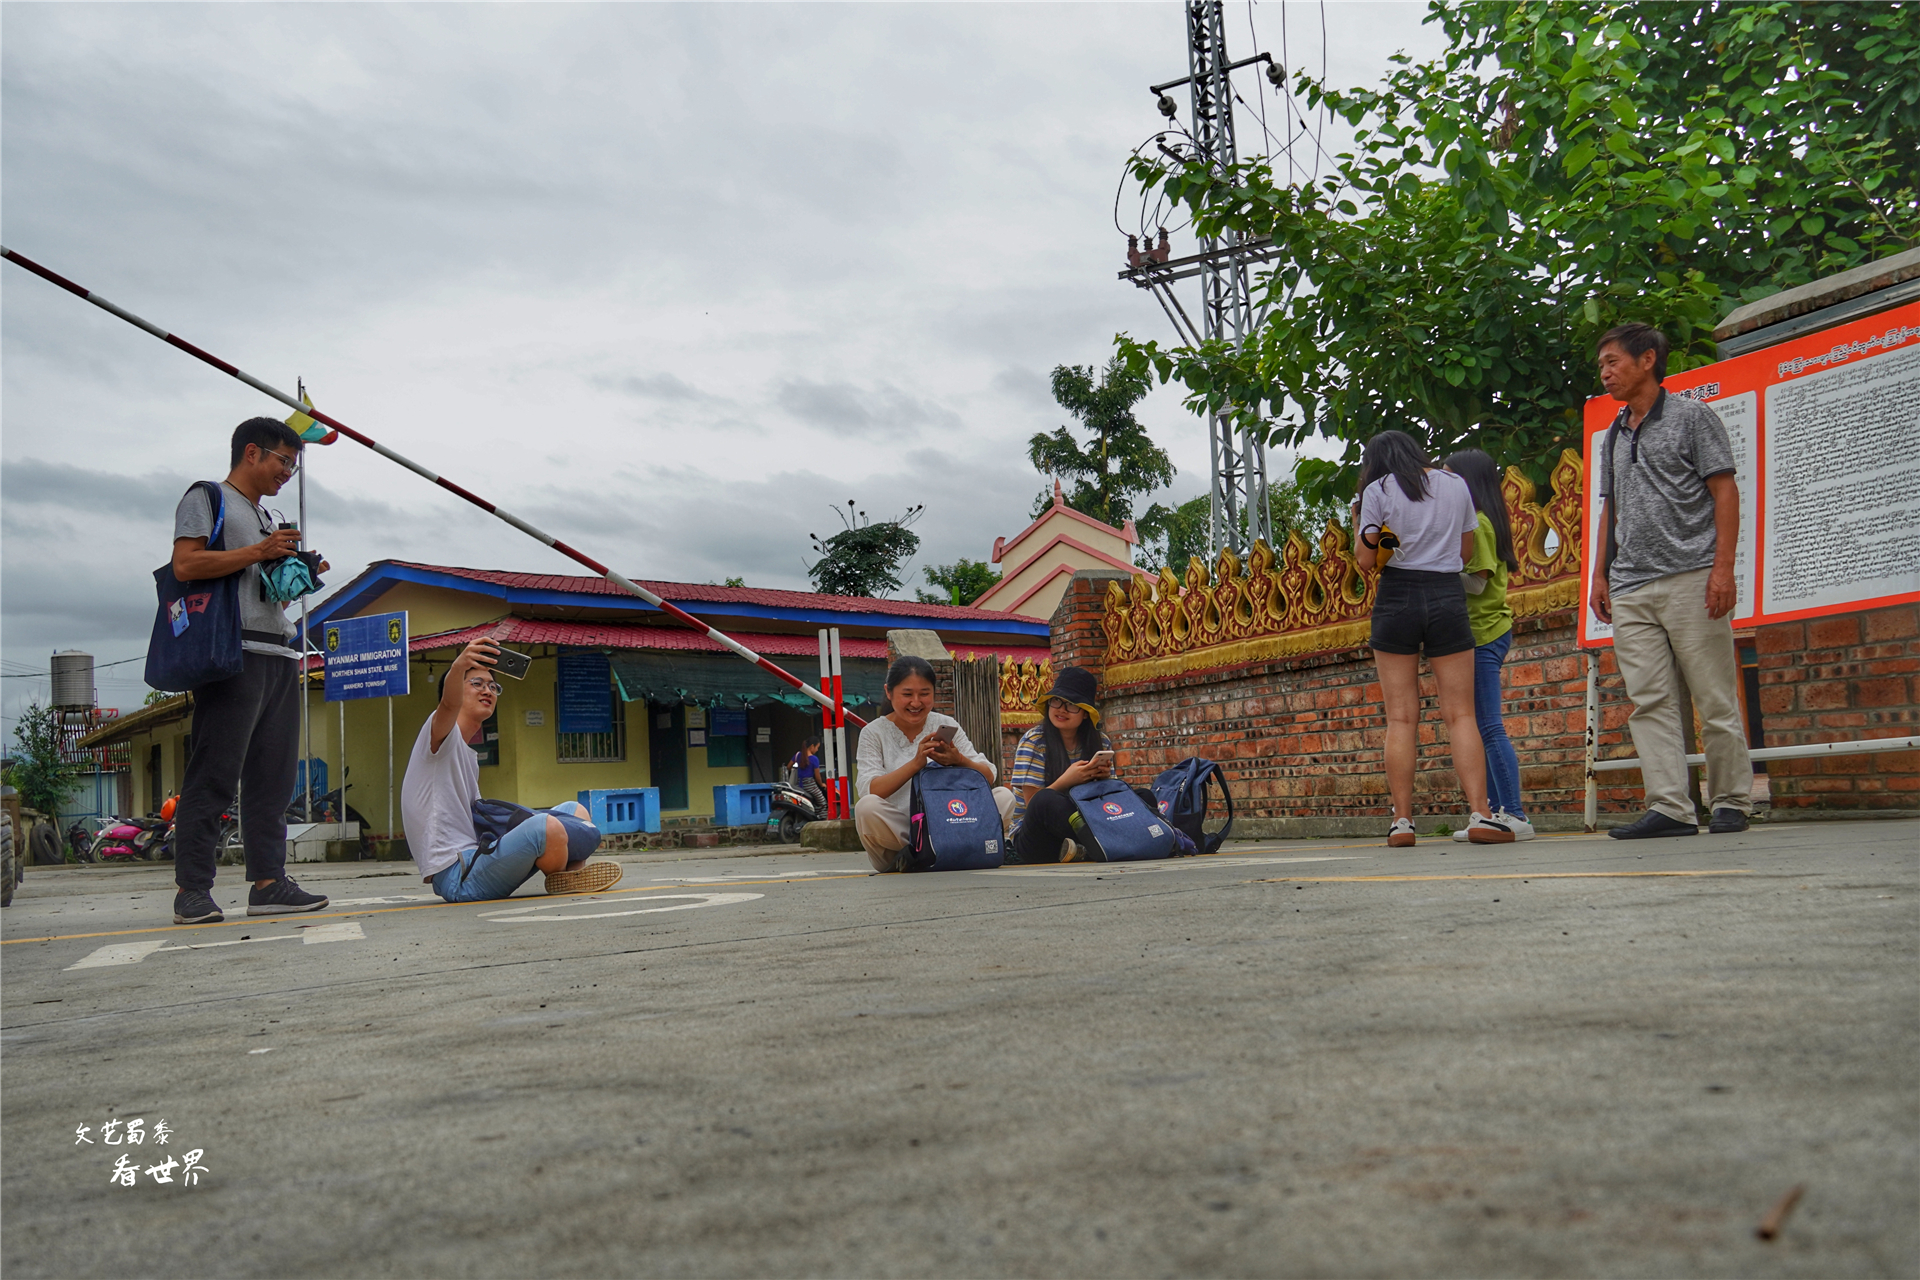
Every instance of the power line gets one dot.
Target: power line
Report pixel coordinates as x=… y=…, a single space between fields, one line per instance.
x=98 y=666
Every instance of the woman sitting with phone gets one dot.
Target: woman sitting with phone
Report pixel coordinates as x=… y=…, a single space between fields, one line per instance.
x=1056 y=755
x=899 y=745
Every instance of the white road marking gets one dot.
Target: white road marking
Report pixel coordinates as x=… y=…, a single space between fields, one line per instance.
x=729 y=877
x=1167 y=864
x=134 y=952
x=525 y=915
x=389 y=899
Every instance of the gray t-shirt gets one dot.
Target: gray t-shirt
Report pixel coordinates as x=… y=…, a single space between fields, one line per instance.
x=246 y=525
x=1663 y=510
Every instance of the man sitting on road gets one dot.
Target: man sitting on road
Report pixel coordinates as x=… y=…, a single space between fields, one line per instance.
x=442 y=784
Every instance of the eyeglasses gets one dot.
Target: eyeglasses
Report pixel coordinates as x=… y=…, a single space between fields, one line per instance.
x=291 y=464
x=490 y=686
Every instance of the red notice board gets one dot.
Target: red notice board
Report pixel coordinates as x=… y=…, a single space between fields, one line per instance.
x=1826 y=445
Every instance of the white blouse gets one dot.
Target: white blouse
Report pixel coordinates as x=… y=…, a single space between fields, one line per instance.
x=884 y=748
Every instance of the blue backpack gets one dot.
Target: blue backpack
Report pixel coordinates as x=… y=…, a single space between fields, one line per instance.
x=1182 y=793
x=196 y=630
x=1124 y=826
x=956 y=824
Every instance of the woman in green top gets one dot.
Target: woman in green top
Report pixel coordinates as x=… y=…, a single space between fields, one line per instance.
x=1491 y=620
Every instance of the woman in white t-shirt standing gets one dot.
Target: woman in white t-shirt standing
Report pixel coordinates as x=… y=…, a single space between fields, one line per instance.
x=899 y=745
x=1424 y=519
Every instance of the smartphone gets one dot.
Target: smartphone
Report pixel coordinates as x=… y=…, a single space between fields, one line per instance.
x=944 y=733
x=513 y=664
x=1103 y=757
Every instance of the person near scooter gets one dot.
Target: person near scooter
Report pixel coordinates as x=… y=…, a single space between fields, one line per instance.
x=442 y=785
x=245 y=728
x=898 y=745
x=806 y=772
x=1064 y=750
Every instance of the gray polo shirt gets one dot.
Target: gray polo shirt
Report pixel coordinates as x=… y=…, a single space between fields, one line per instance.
x=246 y=525
x=1663 y=511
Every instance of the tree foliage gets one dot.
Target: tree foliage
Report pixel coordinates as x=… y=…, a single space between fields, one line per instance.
x=1562 y=168
x=961 y=582
x=1172 y=536
x=864 y=558
x=39 y=770
x=1119 y=460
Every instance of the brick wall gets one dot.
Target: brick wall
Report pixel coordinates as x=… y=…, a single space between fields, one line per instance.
x=1855 y=675
x=1303 y=737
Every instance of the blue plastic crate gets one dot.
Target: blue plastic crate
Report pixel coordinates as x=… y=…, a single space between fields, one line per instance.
x=744 y=804
x=623 y=810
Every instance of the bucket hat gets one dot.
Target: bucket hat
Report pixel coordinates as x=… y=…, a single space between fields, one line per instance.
x=1075 y=685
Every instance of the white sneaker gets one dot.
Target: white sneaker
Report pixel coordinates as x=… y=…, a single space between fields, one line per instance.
x=1521 y=828
x=1401 y=834
x=1460 y=833
x=1485 y=830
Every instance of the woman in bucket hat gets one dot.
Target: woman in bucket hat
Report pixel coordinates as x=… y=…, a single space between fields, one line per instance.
x=1064 y=750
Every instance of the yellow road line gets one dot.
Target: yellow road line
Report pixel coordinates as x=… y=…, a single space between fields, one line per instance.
x=1518 y=875
x=262 y=922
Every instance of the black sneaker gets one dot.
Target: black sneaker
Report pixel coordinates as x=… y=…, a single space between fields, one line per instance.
x=1727 y=821
x=282 y=897
x=1651 y=824
x=196 y=906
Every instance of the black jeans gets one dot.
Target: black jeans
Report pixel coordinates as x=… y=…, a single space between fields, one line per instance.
x=246 y=731
x=1043 y=826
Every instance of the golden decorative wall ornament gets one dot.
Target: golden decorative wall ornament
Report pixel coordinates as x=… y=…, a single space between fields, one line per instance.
x=1290 y=603
x=1021 y=684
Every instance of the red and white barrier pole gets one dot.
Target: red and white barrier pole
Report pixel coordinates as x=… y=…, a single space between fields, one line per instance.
x=631 y=588
x=845 y=781
x=829 y=763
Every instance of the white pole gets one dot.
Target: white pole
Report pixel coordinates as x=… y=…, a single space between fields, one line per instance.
x=306 y=724
x=389 y=769
x=342 y=816
x=1593 y=739
x=828 y=765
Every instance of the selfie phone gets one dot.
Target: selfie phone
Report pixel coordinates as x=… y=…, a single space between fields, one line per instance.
x=513 y=664
x=944 y=733
x=1103 y=757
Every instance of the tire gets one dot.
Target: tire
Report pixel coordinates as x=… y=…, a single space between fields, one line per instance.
x=791 y=825
x=44 y=845
x=7 y=868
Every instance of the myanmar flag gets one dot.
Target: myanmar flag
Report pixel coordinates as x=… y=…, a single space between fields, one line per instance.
x=310 y=431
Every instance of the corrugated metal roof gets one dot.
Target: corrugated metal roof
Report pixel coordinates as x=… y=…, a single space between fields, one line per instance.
x=635 y=635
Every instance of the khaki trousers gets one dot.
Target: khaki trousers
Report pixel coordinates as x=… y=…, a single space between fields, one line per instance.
x=883 y=824
x=1661 y=632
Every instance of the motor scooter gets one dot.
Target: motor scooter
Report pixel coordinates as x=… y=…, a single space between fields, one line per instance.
x=789 y=809
x=133 y=840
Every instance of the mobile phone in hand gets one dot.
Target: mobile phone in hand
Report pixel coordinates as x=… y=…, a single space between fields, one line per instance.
x=1103 y=758
x=513 y=664
x=944 y=733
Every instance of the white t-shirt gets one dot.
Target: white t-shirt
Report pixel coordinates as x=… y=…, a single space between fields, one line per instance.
x=883 y=748
x=1429 y=530
x=436 y=800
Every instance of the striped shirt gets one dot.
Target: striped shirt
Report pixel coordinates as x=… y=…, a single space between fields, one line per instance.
x=1030 y=768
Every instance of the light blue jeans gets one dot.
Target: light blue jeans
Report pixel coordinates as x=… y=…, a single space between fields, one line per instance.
x=1503 y=765
x=483 y=877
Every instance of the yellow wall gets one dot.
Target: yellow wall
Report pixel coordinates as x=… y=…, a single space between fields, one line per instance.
x=431 y=610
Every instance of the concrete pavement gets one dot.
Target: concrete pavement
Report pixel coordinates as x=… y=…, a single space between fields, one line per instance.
x=1571 y=1057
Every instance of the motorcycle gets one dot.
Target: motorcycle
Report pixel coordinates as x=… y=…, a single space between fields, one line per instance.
x=329 y=808
x=789 y=810
x=133 y=840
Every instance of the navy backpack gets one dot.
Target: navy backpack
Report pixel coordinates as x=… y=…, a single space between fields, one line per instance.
x=1123 y=825
x=1182 y=793
x=955 y=823
x=196 y=632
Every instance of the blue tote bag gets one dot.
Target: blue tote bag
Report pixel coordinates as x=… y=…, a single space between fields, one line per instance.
x=196 y=630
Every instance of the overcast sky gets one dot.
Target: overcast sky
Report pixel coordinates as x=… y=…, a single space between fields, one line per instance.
x=667 y=280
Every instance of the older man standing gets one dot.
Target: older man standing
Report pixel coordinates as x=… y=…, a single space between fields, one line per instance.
x=1663 y=576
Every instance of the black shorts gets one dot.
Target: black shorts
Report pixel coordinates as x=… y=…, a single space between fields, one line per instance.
x=1415 y=608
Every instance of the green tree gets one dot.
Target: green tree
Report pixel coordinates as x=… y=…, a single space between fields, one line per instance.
x=864 y=558
x=40 y=771
x=1173 y=535
x=961 y=582
x=1563 y=167
x=1118 y=461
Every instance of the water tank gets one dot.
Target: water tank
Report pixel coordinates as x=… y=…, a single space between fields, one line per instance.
x=72 y=679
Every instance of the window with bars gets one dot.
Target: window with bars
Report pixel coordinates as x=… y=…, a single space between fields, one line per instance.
x=594 y=748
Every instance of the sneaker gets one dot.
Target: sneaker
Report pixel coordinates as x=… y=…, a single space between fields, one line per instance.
x=196 y=906
x=282 y=897
x=589 y=877
x=1460 y=832
x=1651 y=824
x=1071 y=852
x=1484 y=830
x=1521 y=828
x=1401 y=834
x=1726 y=821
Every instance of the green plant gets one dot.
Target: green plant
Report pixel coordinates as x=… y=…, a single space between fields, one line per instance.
x=1563 y=167
x=864 y=558
x=40 y=770
x=1118 y=461
x=961 y=582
